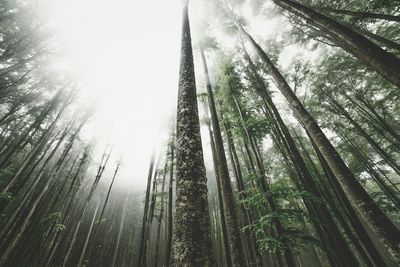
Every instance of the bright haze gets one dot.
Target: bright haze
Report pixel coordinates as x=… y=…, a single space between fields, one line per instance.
x=124 y=55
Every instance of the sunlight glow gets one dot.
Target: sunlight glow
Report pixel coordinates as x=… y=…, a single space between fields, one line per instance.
x=126 y=55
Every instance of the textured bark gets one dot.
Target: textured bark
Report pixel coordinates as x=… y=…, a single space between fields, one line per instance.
x=382 y=226
x=192 y=229
x=232 y=221
x=383 y=62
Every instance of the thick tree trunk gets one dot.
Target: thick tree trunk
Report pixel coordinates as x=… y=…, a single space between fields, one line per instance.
x=191 y=233
x=383 y=62
x=382 y=226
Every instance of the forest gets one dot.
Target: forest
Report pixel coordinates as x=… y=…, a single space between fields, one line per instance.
x=200 y=133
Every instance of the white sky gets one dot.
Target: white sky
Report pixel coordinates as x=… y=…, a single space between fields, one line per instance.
x=126 y=53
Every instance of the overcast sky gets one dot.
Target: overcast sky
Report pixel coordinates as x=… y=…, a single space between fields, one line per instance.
x=125 y=53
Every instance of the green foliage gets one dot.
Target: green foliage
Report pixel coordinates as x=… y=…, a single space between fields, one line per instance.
x=51 y=218
x=276 y=191
x=58 y=227
x=291 y=216
x=6 y=197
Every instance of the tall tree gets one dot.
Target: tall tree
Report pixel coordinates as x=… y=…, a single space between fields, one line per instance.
x=232 y=221
x=191 y=233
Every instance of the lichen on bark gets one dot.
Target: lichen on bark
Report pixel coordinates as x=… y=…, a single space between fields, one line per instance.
x=191 y=234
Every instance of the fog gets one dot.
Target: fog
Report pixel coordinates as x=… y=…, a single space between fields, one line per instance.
x=124 y=55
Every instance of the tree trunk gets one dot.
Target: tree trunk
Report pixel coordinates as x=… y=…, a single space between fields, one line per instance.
x=160 y=217
x=191 y=236
x=88 y=235
x=220 y=199
x=232 y=221
x=264 y=186
x=121 y=225
x=170 y=204
x=362 y=14
x=145 y=212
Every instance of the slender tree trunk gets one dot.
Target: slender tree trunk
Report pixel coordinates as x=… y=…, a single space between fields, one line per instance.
x=256 y=257
x=346 y=209
x=160 y=217
x=367 y=164
x=379 y=39
x=149 y=222
x=232 y=221
x=264 y=186
x=170 y=204
x=145 y=212
x=220 y=200
x=343 y=112
x=88 y=236
x=93 y=188
x=363 y=14
x=95 y=232
x=121 y=225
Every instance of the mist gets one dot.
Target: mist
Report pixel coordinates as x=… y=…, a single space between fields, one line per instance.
x=199 y=133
